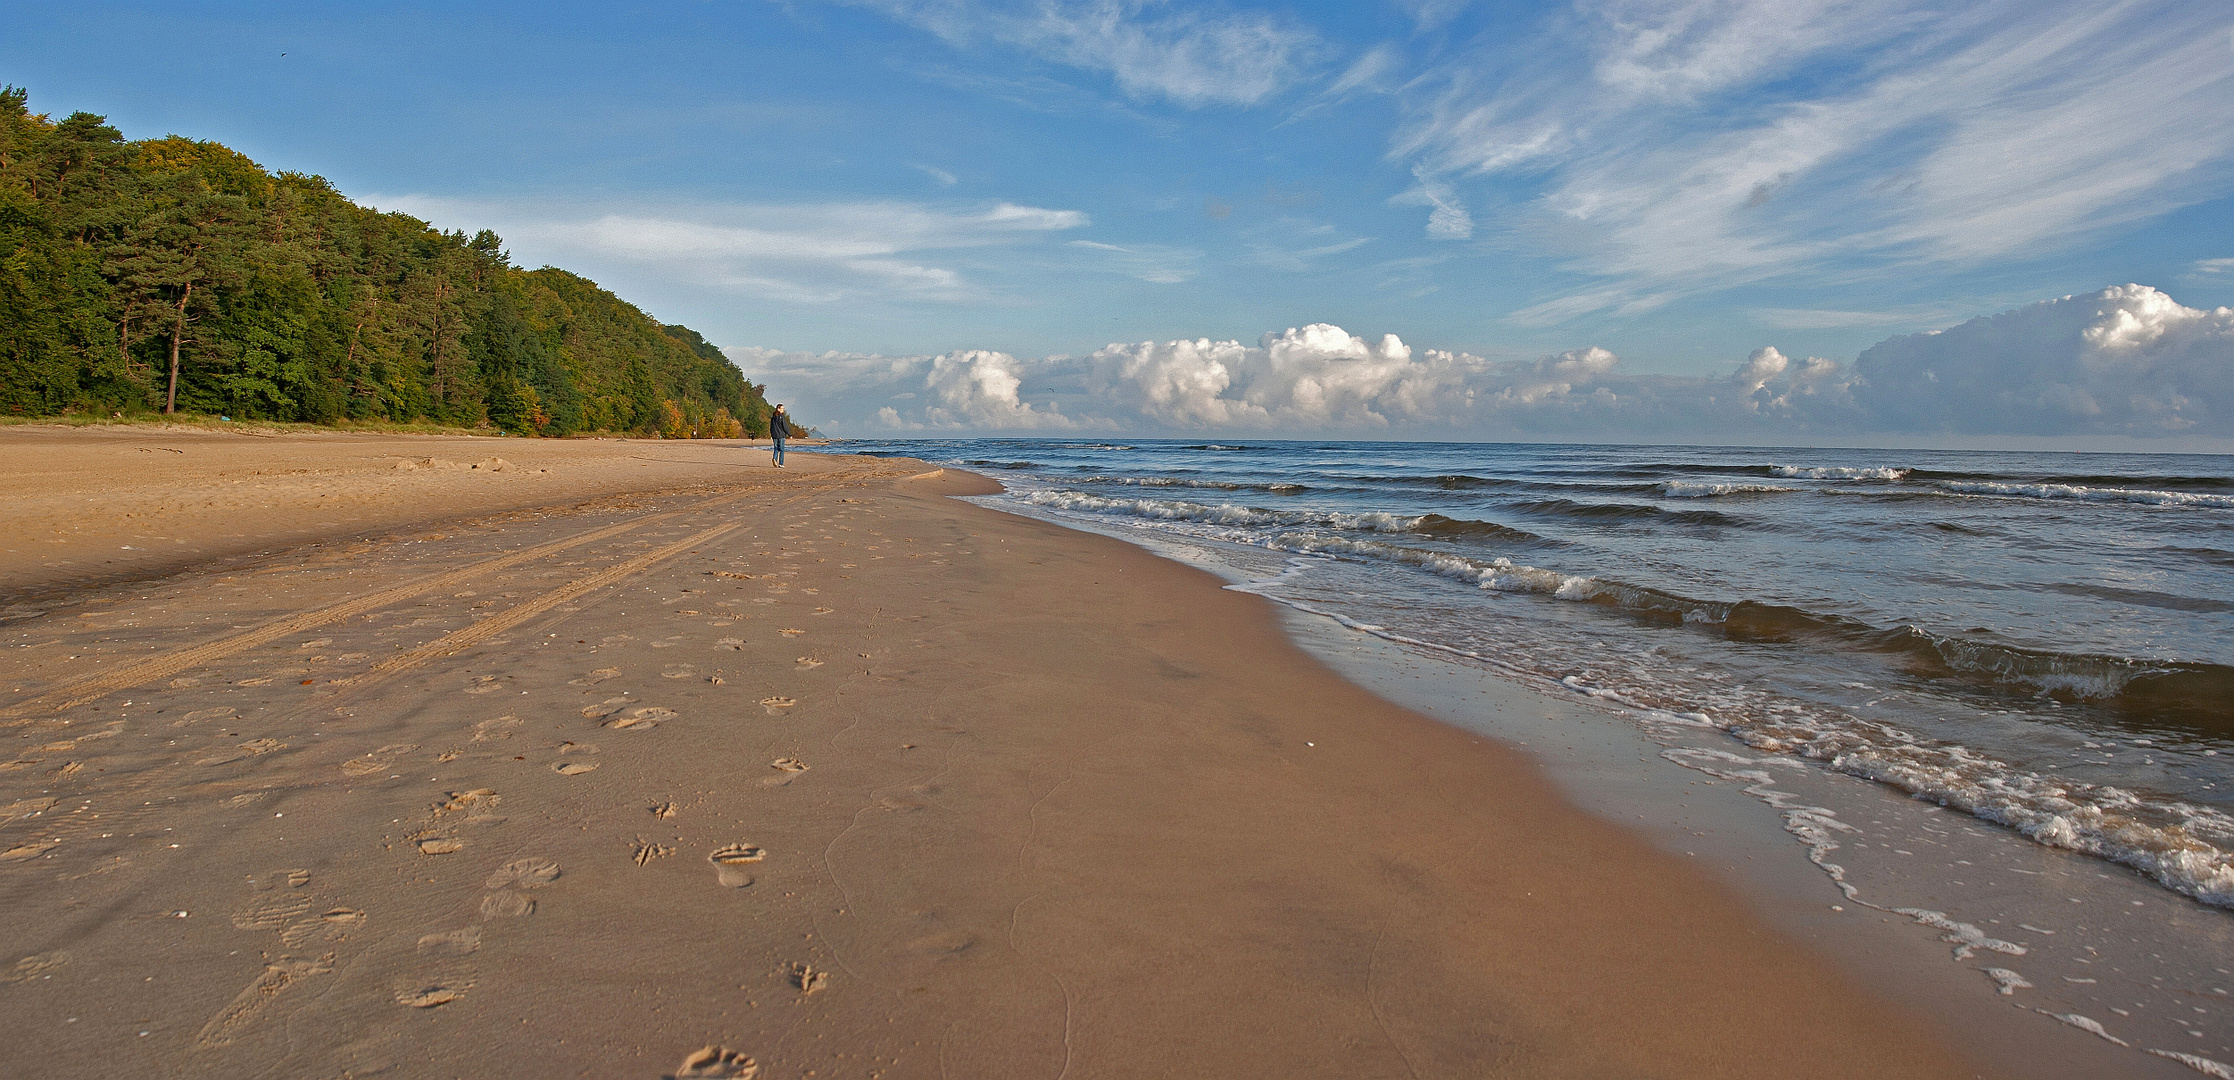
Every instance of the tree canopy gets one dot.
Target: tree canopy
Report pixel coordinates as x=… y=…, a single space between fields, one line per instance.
x=139 y=276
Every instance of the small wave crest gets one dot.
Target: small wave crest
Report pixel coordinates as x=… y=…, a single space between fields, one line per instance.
x=1696 y=489
x=2090 y=494
x=1837 y=472
x=1428 y=525
x=1616 y=512
x=1223 y=513
x=1189 y=482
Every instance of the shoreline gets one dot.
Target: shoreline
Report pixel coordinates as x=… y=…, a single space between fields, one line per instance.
x=1700 y=794
x=1224 y=859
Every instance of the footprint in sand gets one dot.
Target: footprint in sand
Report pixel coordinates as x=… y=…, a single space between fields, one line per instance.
x=427 y=997
x=330 y=926
x=255 y=748
x=441 y=845
x=36 y=966
x=498 y=728
x=451 y=943
x=643 y=719
x=730 y=643
x=529 y=873
x=477 y=802
x=608 y=707
x=647 y=851
x=595 y=677
x=729 y=864
x=808 y=662
x=951 y=943
x=23 y=808
x=199 y=715
x=30 y=850
x=378 y=760
x=716 y=1063
x=507 y=904
x=679 y=671
x=808 y=978
x=242 y=1010
x=790 y=632
x=776 y=705
x=272 y=912
x=789 y=764
x=484 y=684
x=573 y=768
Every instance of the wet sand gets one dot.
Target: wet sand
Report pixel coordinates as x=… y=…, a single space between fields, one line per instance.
x=438 y=772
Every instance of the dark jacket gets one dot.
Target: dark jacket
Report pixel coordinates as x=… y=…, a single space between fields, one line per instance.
x=778 y=427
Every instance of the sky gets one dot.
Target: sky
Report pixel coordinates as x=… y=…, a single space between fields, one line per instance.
x=1708 y=220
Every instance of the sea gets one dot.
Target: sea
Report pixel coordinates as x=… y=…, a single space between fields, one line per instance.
x=2041 y=644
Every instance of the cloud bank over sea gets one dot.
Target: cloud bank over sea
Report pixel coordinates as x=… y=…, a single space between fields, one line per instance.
x=2128 y=361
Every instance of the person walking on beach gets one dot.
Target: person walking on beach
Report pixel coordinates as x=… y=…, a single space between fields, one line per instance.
x=779 y=428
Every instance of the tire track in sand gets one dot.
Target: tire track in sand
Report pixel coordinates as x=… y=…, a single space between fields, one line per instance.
x=171 y=663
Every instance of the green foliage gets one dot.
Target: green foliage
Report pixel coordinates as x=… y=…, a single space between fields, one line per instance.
x=126 y=266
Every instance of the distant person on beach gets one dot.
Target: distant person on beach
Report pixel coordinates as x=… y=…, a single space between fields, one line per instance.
x=779 y=429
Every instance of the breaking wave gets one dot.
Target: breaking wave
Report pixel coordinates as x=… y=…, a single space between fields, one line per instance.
x=2090 y=494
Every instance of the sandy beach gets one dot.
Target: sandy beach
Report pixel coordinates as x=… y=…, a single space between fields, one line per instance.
x=818 y=768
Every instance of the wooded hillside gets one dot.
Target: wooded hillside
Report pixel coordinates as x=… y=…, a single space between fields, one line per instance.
x=139 y=276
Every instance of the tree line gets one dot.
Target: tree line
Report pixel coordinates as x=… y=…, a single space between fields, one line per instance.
x=175 y=274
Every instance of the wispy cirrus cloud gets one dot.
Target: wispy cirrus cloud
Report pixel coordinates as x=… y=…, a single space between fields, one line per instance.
x=1686 y=146
x=1161 y=264
x=1189 y=54
x=815 y=253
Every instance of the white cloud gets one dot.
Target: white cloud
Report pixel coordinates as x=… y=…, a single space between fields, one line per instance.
x=977 y=389
x=1692 y=145
x=1157 y=263
x=945 y=178
x=1294 y=245
x=2126 y=361
x=1184 y=53
x=2212 y=266
x=1448 y=219
x=803 y=253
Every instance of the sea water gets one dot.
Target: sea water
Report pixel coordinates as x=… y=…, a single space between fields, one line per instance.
x=2042 y=643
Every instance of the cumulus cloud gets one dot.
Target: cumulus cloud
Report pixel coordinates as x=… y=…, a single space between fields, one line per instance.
x=2128 y=360
x=1187 y=54
x=1691 y=145
x=814 y=253
x=2124 y=361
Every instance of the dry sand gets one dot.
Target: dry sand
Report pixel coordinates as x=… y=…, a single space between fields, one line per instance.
x=440 y=772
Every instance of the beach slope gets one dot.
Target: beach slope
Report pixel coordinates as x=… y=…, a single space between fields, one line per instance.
x=819 y=768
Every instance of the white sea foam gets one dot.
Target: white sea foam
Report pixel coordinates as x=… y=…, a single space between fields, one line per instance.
x=2084 y=1023
x=2204 y=1065
x=1222 y=513
x=1694 y=489
x=1837 y=472
x=2090 y=494
x=2182 y=845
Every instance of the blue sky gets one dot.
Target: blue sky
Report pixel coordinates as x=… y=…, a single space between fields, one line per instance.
x=1678 y=184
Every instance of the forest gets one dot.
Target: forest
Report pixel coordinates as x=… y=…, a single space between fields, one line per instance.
x=176 y=275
